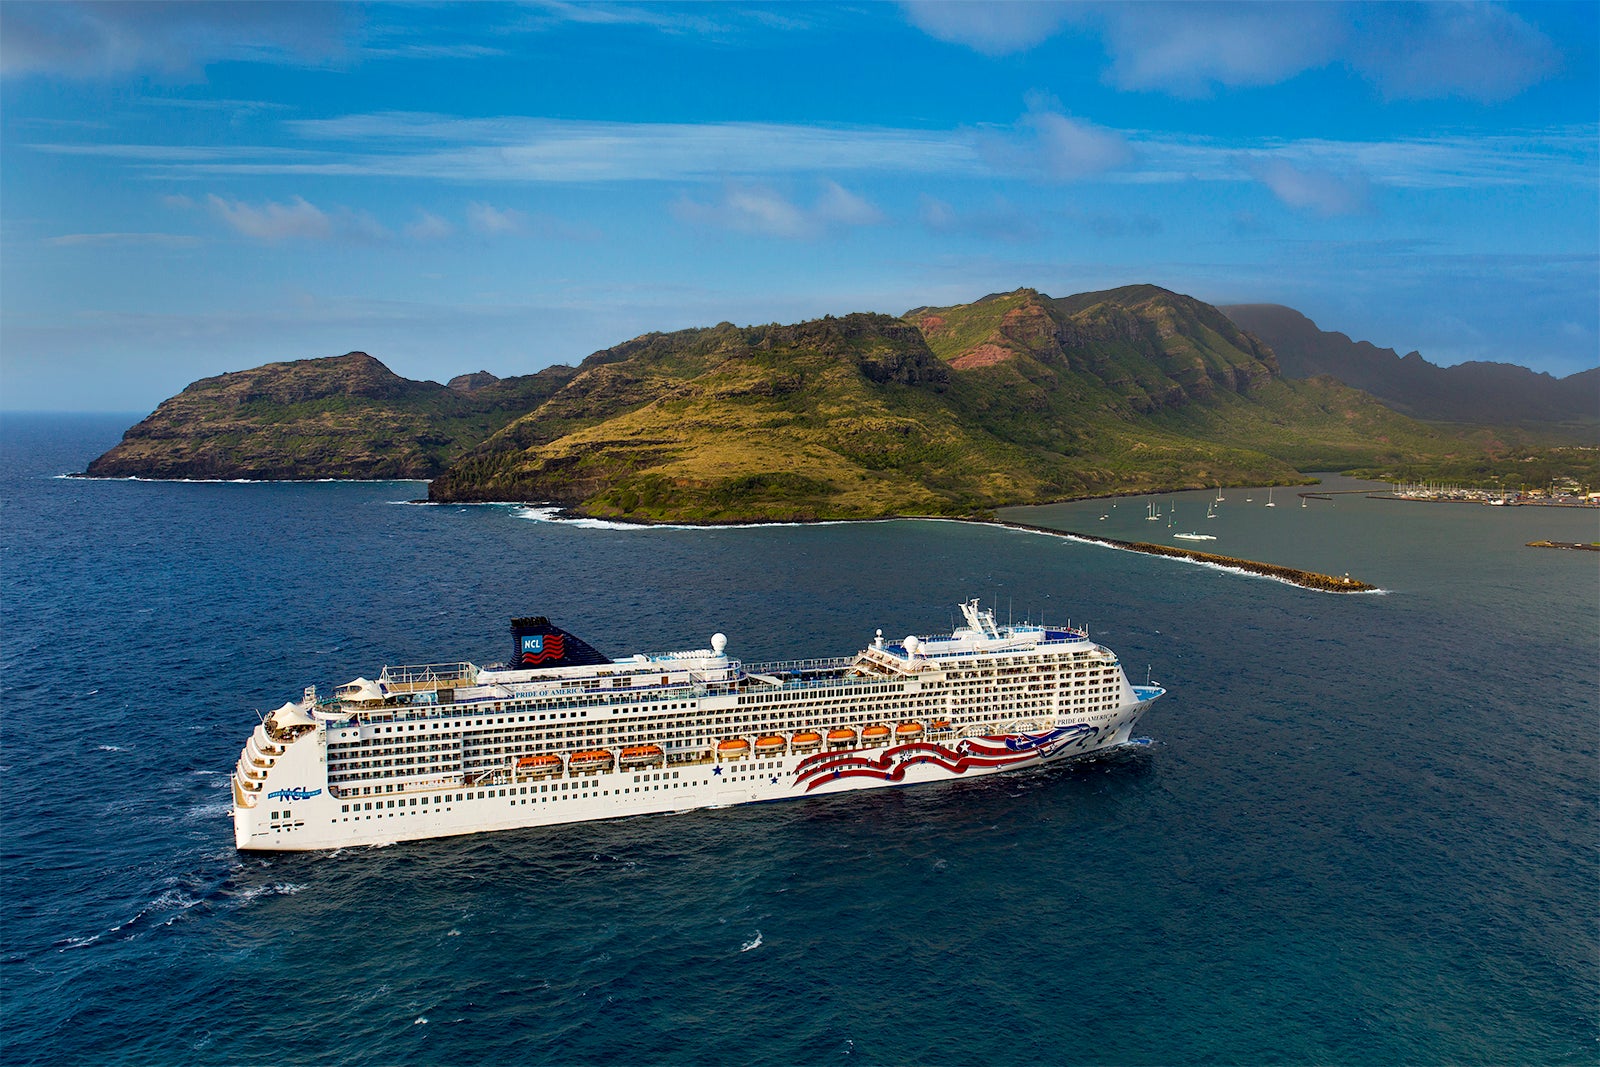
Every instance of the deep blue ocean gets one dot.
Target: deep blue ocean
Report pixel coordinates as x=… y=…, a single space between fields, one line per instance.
x=1366 y=831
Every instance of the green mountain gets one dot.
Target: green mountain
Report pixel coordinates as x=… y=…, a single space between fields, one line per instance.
x=1014 y=398
x=341 y=417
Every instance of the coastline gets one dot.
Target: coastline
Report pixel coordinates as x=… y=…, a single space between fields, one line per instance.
x=1326 y=583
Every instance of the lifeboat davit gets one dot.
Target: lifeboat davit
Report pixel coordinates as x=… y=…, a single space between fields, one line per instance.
x=538 y=764
x=592 y=760
x=876 y=734
x=640 y=754
x=907 y=730
x=733 y=748
x=805 y=740
x=767 y=746
x=841 y=737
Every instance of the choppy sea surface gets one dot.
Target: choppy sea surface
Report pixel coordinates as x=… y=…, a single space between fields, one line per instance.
x=1365 y=833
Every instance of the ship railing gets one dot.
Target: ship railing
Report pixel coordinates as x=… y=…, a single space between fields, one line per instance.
x=427 y=676
x=836 y=663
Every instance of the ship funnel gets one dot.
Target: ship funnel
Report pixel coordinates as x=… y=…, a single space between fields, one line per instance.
x=536 y=642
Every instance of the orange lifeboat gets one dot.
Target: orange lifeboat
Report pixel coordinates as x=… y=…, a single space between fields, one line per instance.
x=908 y=730
x=805 y=740
x=939 y=726
x=767 y=746
x=592 y=760
x=639 y=754
x=876 y=734
x=841 y=737
x=538 y=764
x=733 y=748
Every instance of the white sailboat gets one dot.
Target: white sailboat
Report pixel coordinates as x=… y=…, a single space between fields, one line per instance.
x=1270 y=504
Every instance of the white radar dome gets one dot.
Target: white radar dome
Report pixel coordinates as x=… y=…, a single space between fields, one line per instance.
x=911 y=644
x=718 y=643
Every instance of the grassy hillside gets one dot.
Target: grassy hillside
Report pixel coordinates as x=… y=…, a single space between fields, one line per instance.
x=341 y=417
x=1015 y=398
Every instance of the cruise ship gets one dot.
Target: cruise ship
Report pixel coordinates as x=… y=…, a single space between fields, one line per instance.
x=563 y=733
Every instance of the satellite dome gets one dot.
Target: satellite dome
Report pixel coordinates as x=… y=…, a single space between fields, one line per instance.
x=718 y=643
x=911 y=644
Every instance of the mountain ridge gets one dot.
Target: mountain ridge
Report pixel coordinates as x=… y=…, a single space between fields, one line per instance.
x=1477 y=392
x=1015 y=398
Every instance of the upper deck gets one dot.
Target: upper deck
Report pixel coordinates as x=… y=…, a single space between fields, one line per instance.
x=427 y=690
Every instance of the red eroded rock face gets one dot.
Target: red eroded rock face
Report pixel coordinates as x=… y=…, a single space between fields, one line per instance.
x=931 y=323
x=985 y=355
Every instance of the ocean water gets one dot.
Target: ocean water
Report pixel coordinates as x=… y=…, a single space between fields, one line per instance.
x=1366 y=831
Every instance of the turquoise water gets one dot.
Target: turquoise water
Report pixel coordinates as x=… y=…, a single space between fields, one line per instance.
x=1365 y=833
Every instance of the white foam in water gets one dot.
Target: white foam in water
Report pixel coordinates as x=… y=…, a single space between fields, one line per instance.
x=749 y=945
x=552 y=514
x=277 y=889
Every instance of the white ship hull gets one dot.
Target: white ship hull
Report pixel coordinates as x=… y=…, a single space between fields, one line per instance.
x=517 y=752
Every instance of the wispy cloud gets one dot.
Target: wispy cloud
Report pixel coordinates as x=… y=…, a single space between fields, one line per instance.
x=296 y=219
x=1188 y=49
x=1324 y=192
x=530 y=149
x=1044 y=144
x=490 y=221
x=1478 y=51
x=429 y=227
x=839 y=205
x=995 y=29
x=100 y=40
x=754 y=209
x=997 y=220
x=169 y=239
x=272 y=221
x=1064 y=148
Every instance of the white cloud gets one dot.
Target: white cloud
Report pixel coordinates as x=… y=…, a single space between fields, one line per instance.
x=763 y=211
x=490 y=221
x=532 y=149
x=95 y=40
x=1324 y=192
x=936 y=214
x=1067 y=148
x=747 y=209
x=1189 y=48
x=838 y=204
x=296 y=219
x=993 y=28
x=273 y=221
x=429 y=227
x=1042 y=144
x=1477 y=51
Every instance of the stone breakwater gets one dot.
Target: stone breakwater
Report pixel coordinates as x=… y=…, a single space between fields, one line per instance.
x=1326 y=583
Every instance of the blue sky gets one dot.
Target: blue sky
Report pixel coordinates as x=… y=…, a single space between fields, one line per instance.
x=195 y=188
